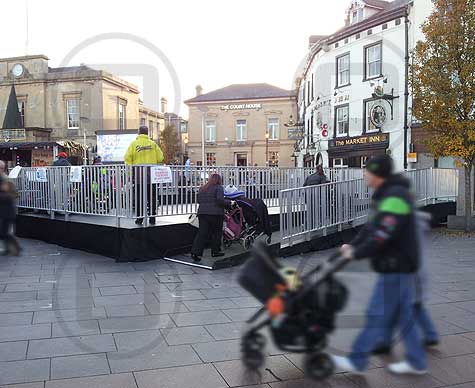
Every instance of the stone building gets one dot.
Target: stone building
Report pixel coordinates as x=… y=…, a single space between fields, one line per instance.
x=66 y=104
x=243 y=125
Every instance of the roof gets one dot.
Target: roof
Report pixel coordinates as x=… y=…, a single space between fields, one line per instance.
x=242 y=92
x=24 y=58
x=377 y=3
x=69 y=69
x=316 y=38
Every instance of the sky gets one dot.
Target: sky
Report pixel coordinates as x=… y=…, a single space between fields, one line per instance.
x=208 y=42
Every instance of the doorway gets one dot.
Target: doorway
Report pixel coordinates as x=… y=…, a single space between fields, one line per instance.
x=241 y=160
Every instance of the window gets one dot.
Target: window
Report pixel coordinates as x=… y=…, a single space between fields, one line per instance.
x=72 y=113
x=210 y=131
x=398 y=22
x=241 y=130
x=338 y=162
x=385 y=26
x=273 y=129
x=142 y=121
x=369 y=126
x=373 y=62
x=210 y=159
x=342 y=120
x=150 y=127
x=357 y=15
x=273 y=159
x=370 y=32
x=122 y=118
x=21 y=109
x=343 y=70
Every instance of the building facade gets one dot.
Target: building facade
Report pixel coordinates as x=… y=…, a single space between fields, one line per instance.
x=354 y=99
x=67 y=104
x=242 y=125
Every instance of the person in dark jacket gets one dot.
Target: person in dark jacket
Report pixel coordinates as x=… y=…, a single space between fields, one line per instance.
x=317 y=178
x=62 y=160
x=211 y=215
x=8 y=194
x=390 y=240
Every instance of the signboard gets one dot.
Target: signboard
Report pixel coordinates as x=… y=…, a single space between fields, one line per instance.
x=40 y=175
x=160 y=174
x=295 y=133
x=378 y=115
x=240 y=106
x=14 y=172
x=112 y=147
x=380 y=139
x=75 y=174
x=41 y=157
x=412 y=157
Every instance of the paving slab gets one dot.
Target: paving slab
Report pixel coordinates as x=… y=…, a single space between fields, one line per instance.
x=163 y=357
x=11 y=319
x=453 y=370
x=276 y=368
x=210 y=304
x=131 y=310
x=69 y=315
x=25 y=371
x=196 y=376
x=79 y=366
x=225 y=331
x=26 y=385
x=13 y=351
x=117 y=325
x=69 y=346
x=187 y=335
x=123 y=380
x=199 y=318
x=75 y=328
x=338 y=381
x=119 y=290
x=166 y=308
x=219 y=350
x=25 y=332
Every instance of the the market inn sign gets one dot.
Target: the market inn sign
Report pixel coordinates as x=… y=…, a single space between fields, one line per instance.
x=380 y=139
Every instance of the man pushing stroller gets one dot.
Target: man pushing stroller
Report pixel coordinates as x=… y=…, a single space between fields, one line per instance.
x=390 y=240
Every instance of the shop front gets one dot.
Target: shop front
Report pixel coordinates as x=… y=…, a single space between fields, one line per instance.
x=354 y=151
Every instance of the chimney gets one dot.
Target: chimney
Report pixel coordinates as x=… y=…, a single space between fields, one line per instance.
x=163 y=105
x=199 y=90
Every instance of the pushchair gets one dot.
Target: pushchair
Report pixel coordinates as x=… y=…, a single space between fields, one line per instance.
x=299 y=311
x=246 y=221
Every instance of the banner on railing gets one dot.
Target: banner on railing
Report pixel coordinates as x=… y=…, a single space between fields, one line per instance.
x=160 y=174
x=14 y=172
x=41 y=175
x=75 y=174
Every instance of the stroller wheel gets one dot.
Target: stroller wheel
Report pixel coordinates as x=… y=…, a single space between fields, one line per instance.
x=253 y=342
x=248 y=241
x=227 y=243
x=318 y=366
x=253 y=359
x=268 y=240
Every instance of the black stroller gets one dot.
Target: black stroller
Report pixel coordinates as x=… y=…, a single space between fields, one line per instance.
x=300 y=312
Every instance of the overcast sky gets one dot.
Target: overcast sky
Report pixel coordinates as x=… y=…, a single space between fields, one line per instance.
x=208 y=42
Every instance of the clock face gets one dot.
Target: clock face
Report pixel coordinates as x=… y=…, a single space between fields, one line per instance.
x=18 y=70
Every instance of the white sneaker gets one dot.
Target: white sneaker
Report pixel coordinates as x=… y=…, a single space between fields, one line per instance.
x=404 y=367
x=343 y=364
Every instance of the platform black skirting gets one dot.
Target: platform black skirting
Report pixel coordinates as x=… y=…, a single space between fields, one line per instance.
x=150 y=243
x=137 y=244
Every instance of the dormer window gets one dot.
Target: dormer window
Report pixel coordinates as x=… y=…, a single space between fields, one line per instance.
x=357 y=16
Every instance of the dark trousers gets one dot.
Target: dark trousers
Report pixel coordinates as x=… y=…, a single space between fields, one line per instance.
x=150 y=196
x=211 y=229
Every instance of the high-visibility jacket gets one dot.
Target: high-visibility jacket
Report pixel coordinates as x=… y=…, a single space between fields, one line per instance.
x=143 y=150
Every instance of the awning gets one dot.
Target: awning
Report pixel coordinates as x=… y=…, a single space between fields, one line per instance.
x=72 y=146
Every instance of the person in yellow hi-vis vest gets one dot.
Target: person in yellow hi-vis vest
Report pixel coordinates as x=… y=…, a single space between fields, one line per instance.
x=144 y=150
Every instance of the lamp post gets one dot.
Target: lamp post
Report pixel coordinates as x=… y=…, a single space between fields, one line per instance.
x=267 y=148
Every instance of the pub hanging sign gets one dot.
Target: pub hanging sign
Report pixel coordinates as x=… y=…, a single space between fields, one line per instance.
x=379 y=139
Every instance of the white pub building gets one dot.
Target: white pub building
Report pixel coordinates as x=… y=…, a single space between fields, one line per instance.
x=354 y=96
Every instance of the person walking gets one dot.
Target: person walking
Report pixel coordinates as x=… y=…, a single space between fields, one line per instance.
x=62 y=160
x=211 y=215
x=390 y=240
x=8 y=213
x=144 y=151
x=317 y=178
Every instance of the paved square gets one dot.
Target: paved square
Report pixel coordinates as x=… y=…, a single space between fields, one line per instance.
x=70 y=319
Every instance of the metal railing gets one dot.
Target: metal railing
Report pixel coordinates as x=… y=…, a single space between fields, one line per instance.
x=308 y=210
x=127 y=192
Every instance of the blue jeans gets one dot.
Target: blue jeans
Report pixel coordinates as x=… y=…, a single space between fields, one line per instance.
x=393 y=298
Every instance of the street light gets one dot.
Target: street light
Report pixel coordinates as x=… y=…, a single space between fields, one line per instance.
x=267 y=148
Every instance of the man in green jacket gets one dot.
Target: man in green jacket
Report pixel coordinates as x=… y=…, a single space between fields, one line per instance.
x=142 y=151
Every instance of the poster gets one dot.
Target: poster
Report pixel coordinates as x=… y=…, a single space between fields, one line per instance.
x=112 y=148
x=160 y=174
x=75 y=174
x=40 y=175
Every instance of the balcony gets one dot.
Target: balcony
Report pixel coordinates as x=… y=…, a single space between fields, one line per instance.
x=12 y=134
